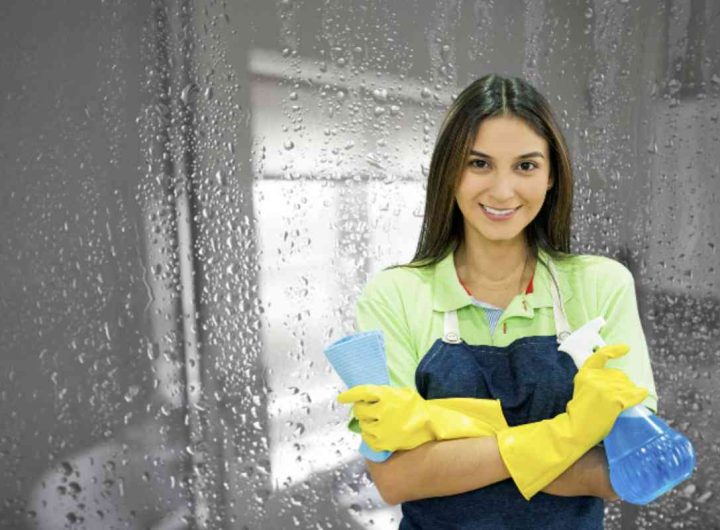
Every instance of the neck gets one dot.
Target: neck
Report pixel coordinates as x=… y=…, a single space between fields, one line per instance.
x=496 y=267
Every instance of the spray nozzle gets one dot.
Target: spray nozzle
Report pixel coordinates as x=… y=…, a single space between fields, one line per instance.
x=583 y=341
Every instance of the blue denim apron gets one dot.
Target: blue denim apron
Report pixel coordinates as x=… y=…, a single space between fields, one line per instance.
x=533 y=381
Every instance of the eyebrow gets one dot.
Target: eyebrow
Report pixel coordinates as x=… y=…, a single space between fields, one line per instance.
x=526 y=155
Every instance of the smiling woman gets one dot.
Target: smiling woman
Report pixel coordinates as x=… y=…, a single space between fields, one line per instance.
x=499 y=147
x=480 y=312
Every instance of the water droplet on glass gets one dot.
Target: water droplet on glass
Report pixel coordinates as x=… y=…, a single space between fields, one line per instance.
x=187 y=92
x=132 y=391
x=66 y=468
x=380 y=94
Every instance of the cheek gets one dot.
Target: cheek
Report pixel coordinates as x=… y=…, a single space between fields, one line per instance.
x=467 y=189
x=462 y=192
x=538 y=191
x=467 y=200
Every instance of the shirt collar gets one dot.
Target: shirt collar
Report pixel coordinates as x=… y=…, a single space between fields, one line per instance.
x=449 y=294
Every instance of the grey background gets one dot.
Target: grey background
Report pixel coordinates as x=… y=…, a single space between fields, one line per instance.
x=193 y=193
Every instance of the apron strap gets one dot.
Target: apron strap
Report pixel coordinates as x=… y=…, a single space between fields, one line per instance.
x=451 y=331
x=562 y=327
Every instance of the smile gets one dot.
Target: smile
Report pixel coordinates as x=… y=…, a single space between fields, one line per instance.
x=497 y=215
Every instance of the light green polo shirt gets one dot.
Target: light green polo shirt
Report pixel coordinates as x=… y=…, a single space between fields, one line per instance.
x=407 y=305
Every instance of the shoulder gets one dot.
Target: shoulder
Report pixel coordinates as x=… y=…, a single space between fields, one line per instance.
x=593 y=269
x=398 y=283
x=402 y=298
x=597 y=282
x=398 y=299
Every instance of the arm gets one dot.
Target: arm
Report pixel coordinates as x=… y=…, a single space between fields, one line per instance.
x=412 y=475
x=617 y=303
x=587 y=476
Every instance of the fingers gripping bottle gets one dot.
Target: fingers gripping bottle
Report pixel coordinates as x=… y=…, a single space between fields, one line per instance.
x=646 y=458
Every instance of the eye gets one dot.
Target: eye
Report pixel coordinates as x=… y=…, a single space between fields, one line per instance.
x=473 y=163
x=533 y=164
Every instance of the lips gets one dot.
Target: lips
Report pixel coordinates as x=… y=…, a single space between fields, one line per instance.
x=498 y=217
x=507 y=210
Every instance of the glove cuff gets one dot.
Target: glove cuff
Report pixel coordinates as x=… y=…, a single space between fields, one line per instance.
x=537 y=453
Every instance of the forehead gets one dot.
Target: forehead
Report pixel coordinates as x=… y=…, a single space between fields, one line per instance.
x=506 y=134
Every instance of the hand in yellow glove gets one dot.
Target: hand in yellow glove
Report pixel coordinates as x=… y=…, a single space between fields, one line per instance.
x=537 y=453
x=393 y=418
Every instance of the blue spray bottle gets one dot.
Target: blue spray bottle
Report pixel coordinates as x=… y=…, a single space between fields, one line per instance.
x=646 y=458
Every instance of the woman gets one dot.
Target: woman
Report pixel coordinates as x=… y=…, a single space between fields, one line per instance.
x=477 y=315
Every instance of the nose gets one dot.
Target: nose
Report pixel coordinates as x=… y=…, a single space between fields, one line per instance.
x=502 y=190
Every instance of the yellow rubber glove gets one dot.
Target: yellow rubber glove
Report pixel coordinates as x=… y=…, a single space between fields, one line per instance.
x=537 y=453
x=393 y=418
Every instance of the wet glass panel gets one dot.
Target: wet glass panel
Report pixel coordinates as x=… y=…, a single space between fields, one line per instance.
x=195 y=192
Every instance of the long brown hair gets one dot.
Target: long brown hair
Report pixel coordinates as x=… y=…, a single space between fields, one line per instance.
x=487 y=97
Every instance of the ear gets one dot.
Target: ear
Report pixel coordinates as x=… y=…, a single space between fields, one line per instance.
x=551 y=183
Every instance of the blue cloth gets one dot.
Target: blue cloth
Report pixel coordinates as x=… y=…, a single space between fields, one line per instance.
x=359 y=359
x=534 y=381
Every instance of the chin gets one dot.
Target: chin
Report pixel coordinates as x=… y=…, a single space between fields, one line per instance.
x=496 y=236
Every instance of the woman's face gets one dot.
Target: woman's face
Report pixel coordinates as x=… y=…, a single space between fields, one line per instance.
x=508 y=168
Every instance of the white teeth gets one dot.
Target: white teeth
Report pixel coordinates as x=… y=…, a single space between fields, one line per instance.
x=498 y=212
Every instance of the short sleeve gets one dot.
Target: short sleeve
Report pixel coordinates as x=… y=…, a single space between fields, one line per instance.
x=380 y=307
x=619 y=308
